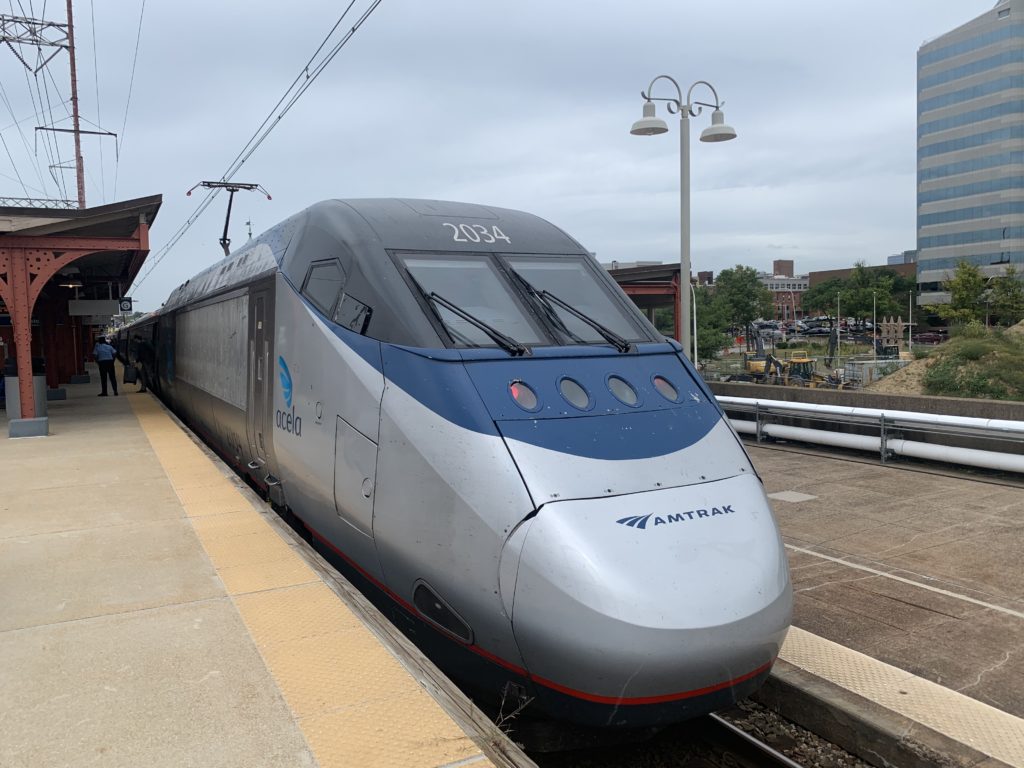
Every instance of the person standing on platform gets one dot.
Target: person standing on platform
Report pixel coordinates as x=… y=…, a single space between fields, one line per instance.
x=104 y=354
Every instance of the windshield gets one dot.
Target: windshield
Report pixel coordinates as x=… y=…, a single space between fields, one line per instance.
x=474 y=285
x=571 y=281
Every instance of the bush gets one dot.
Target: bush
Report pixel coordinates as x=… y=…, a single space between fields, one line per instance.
x=972 y=349
x=972 y=330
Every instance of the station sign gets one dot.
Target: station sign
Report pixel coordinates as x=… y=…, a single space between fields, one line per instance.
x=125 y=304
x=85 y=307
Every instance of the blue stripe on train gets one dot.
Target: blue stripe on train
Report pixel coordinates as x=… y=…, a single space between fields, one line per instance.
x=470 y=388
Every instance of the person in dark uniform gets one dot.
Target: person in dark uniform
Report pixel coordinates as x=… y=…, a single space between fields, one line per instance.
x=104 y=354
x=146 y=357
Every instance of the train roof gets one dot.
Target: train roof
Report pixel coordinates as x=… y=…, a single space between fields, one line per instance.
x=352 y=228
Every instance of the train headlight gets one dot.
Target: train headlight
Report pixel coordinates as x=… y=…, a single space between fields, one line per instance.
x=524 y=396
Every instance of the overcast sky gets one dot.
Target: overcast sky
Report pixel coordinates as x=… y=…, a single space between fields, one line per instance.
x=521 y=104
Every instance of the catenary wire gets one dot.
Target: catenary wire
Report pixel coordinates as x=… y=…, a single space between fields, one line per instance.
x=267 y=126
x=128 y=101
x=99 y=111
x=21 y=133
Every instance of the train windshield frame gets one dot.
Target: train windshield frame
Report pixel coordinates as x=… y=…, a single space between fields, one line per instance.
x=476 y=285
x=500 y=290
x=571 y=279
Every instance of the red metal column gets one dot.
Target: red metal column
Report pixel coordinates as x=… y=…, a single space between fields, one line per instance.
x=21 y=318
x=677 y=328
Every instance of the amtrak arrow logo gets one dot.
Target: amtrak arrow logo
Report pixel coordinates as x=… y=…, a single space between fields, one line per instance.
x=636 y=521
x=640 y=521
x=286 y=381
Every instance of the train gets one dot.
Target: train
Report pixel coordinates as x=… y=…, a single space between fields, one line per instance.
x=479 y=428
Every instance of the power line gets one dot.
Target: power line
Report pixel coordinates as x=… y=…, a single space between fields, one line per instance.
x=266 y=127
x=21 y=133
x=99 y=112
x=13 y=166
x=131 y=82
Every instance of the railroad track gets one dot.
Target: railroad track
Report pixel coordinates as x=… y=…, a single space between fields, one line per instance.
x=705 y=742
x=738 y=748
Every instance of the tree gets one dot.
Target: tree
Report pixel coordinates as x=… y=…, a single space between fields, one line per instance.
x=965 y=295
x=1006 y=297
x=744 y=297
x=712 y=320
x=821 y=299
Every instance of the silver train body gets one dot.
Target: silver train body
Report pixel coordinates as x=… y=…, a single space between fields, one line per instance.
x=609 y=557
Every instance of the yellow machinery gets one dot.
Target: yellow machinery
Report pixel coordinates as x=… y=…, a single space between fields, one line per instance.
x=797 y=369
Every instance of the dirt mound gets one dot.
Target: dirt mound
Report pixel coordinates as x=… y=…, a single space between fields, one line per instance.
x=908 y=380
x=1016 y=330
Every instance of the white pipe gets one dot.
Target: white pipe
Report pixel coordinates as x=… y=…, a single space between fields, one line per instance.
x=838 y=439
x=1006 y=462
x=1004 y=425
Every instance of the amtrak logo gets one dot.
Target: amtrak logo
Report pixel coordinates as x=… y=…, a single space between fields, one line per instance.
x=286 y=381
x=286 y=420
x=641 y=521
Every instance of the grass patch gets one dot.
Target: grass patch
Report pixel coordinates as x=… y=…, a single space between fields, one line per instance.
x=977 y=363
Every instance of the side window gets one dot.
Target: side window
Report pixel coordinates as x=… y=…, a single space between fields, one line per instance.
x=323 y=285
x=353 y=314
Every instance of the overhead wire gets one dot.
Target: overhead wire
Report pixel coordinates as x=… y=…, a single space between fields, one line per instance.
x=24 y=141
x=32 y=153
x=99 y=111
x=269 y=123
x=13 y=165
x=49 y=109
x=131 y=81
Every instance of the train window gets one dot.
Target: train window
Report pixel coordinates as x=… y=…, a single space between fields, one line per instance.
x=474 y=285
x=353 y=314
x=323 y=285
x=571 y=280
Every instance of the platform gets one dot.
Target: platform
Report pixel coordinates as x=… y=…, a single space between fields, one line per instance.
x=909 y=592
x=156 y=613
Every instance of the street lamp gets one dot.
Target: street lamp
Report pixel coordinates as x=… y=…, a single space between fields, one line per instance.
x=651 y=125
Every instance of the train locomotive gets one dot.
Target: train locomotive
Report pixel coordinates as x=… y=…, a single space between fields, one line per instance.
x=469 y=415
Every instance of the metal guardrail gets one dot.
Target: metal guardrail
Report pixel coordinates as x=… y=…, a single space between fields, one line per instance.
x=1007 y=436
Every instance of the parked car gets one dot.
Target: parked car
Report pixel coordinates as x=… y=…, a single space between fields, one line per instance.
x=818 y=331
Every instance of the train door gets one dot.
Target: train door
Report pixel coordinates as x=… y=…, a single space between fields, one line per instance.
x=260 y=385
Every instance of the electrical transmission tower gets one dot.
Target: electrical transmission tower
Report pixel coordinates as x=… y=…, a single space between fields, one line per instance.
x=48 y=34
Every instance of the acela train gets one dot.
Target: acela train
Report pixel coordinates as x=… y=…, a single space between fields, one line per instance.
x=500 y=450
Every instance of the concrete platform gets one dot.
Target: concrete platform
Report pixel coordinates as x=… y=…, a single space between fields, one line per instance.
x=909 y=592
x=155 y=614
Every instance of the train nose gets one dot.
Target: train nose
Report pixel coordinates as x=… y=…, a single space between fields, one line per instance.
x=652 y=606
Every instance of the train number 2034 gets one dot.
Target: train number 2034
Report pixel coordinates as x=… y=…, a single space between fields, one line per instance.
x=476 y=233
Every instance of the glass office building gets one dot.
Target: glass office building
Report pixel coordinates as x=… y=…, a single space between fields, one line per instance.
x=970 y=149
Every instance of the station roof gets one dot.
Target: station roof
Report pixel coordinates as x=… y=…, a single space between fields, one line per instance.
x=96 y=271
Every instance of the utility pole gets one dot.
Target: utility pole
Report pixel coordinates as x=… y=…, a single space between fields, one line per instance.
x=79 y=164
x=40 y=34
x=231 y=187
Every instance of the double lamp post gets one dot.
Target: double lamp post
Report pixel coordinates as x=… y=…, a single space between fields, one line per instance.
x=651 y=125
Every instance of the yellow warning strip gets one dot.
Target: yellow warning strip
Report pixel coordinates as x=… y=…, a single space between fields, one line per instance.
x=989 y=730
x=354 y=702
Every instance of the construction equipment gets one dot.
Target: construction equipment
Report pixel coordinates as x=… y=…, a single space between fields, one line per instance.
x=796 y=369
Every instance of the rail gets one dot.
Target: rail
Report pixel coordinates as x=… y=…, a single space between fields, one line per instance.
x=891 y=426
x=742 y=748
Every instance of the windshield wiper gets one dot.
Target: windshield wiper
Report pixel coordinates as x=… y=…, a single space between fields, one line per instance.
x=507 y=343
x=547 y=307
x=609 y=335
